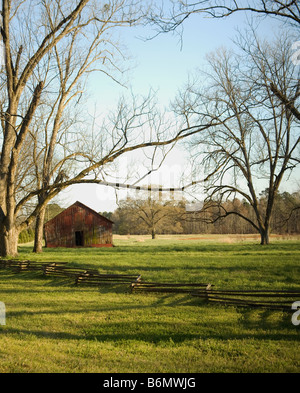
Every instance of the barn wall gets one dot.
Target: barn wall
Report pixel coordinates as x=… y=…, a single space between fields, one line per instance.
x=60 y=231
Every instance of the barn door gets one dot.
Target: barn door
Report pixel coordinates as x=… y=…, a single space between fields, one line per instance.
x=79 y=239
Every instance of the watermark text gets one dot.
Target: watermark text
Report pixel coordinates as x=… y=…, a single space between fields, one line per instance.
x=2 y=314
x=296 y=315
x=296 y=54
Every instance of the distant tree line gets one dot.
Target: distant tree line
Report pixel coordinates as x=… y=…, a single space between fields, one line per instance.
x=165 y=217
x=213 y=217
x=147 y=216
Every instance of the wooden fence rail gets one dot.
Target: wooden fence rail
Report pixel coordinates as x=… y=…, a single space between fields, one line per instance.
x=53 y=270
x=144 y=286
x=269 y=299
x=90 y=277
x=102 y=279
x=20 y=266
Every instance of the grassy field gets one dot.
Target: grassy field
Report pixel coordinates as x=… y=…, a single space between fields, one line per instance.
x=54 y=326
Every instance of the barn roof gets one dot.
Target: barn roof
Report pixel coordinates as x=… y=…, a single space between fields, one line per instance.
x=83 y=207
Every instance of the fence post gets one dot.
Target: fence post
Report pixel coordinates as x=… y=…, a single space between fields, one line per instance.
x=207 y=289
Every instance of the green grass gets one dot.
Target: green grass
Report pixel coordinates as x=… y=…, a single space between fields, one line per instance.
x=53 y=326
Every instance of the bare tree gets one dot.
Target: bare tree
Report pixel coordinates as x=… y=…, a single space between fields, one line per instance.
x=287 y=12
x=180 y=10
x=258 y=141
x=32 y=32
x=149 y=214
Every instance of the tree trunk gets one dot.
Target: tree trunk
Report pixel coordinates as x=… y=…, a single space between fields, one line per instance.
x=8 y=241
x=265 y=237
x=39 y=232
x=153 y=233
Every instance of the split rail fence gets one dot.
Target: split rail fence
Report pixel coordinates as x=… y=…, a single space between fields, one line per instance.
x=58 y=269
x=269 y=299
x=21 y=266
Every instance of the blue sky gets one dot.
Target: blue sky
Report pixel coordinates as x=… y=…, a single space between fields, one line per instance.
x=163 y=64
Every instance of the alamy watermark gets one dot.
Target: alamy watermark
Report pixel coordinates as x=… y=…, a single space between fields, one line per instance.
x=2 y=314
x=2 y=52
x=296 y=54
x=296 y=315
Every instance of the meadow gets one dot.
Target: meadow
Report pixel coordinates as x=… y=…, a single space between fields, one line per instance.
x=53 y=326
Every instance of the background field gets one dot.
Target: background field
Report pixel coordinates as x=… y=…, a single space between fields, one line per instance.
x=54 y=326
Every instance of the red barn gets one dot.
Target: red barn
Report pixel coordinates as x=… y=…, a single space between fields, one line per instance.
x=78 y=226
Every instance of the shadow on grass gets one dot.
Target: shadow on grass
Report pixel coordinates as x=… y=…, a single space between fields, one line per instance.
x=162 y=301
x=257 y=324
x=160 y=332
x=256 y=318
